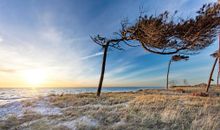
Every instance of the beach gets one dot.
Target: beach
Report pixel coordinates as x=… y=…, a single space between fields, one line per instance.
x=177 y=108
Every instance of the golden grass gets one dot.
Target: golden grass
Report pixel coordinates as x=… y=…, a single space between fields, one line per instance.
x=147 y=109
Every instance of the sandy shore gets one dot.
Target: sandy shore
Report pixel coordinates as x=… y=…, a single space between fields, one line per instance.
x=178 y=108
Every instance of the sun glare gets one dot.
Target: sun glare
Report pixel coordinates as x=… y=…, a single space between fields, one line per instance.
x=35 y=77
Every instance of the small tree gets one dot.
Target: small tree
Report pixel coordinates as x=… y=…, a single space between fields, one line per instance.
x=216 y=55
x=173 y=82
x=185 y=82
x=218 y=75
x=174 y=58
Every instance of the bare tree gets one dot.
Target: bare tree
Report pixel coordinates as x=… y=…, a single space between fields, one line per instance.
x=173 y=82
x=216 y=55
x=174 y=58
x=106 y=44
x=185 y=82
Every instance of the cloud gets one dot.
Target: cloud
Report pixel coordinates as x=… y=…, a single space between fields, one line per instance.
x=6 y=70
x=1 y=39
x=92 y=56
x=122 y=68
x=142 y=72
x=52 y=35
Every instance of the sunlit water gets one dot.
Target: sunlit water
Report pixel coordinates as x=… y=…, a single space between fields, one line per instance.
x=8 y=95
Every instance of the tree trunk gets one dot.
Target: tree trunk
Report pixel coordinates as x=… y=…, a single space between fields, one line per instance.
x=218 y=72
x=218 y=77
x=103 y=69
x=218 y=59
x=210 y=77
x=168 y=71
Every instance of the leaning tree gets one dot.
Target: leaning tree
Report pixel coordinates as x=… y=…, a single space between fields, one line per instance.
x=218 y=75
x=106 y=44
x=174 y=58
x=216 y=55
x=165 y=34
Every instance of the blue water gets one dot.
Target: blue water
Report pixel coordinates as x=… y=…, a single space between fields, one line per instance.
x=8 y=95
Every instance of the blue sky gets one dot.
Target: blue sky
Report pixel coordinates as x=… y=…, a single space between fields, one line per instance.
x=54 y=36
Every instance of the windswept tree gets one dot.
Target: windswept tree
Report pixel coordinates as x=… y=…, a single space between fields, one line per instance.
x=106 y=44
x=174 y=58
x=215 y=55
x=166 y=35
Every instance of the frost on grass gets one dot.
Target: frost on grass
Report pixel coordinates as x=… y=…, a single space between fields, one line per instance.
x=147 y=109
x=44 y=108
x=82 y=122
x=39 y=106
x=14 y=108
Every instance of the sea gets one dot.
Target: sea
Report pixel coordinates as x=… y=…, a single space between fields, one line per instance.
x=9 y=95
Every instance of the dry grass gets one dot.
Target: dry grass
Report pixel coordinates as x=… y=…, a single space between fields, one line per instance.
x=147 y=109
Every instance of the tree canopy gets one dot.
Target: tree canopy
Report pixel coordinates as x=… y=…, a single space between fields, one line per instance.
x=164 y=34
x=179 y=57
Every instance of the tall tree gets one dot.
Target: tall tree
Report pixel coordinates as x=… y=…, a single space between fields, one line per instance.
x=174 y=58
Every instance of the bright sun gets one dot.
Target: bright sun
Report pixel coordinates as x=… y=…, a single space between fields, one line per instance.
x=35 y=77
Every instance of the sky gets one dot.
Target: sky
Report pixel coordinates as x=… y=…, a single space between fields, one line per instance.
x=47 y=43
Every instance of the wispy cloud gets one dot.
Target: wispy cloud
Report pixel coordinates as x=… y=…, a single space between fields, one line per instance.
x=120 y=69
x=134 y=75
x=92 y=56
